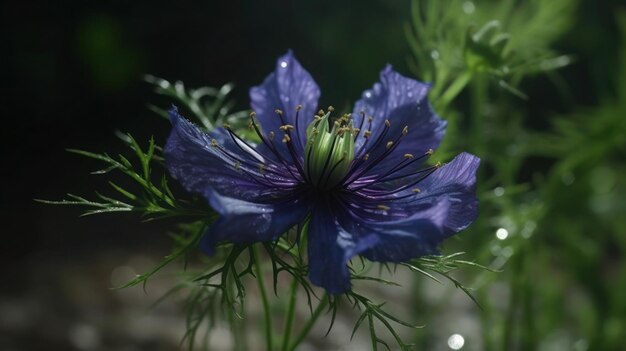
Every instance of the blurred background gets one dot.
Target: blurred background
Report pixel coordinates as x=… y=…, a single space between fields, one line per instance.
x=546 y=115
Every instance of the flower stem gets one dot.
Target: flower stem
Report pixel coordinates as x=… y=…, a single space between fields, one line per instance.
x=291 y=312
x=478 y=101
x=309 y=324
x=266 y=305
x=453 y=90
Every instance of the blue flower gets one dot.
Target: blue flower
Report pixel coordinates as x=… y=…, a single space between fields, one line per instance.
x=358 y=178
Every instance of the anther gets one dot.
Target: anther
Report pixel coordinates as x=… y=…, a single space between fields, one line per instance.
x=213 y=142
x=271 y=135
x=367 y=133
x=408 y=156
x=238 y=165
x=286 y=138
x=366 y=157
x=227 y=126
x=389 y=144
x=286 y=127
x=417 y=190
x=320 y=113
x=298 y=108
x=438 y=164
x=279 y=112
x=252 y=114
x=430 y=152
x=370 y=118
x=387 y=123
x=262 y=168
x=405 y=130
x=384 y=208
x=331 y=109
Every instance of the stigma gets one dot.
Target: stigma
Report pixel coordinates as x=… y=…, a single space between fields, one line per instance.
x=329 y=150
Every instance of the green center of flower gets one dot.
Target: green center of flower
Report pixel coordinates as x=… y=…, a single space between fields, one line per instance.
x=329 y=151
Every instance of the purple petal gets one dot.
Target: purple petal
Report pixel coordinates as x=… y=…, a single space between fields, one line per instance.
x=287 y=87
x=202 y=168
x=403 y=102
x=244 y=222
x=330 y=248
x=415 y=236
x=457 y=181
x=409 y=224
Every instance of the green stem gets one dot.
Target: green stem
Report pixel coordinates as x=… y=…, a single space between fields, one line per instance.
x=478 y=101
x=510 y=320
x=453 y=90
x=309 y=324
x=291 y=312
x=266 y=305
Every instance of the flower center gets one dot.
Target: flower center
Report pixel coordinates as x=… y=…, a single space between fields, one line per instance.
x=329 y=151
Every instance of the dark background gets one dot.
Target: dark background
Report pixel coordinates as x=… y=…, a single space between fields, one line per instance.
x=72 y=76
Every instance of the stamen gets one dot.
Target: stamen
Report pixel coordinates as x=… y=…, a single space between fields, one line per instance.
x=387 y=196
x=298 y=108
x=250 y=151
x=286 y=139
x=403 y=164
x=239 y=162
x=265 y=140
x=371 y=148
x=358 y=130
x=382 y=178
x=430 y=171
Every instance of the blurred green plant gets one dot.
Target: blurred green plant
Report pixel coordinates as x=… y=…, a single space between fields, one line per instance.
x=209 y=106
x=559 y=233
x=454 y=40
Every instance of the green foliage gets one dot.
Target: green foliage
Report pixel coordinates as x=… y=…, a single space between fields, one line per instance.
x=558 y=225
x=453 y=40
x=152 y=200
x=210 y=106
